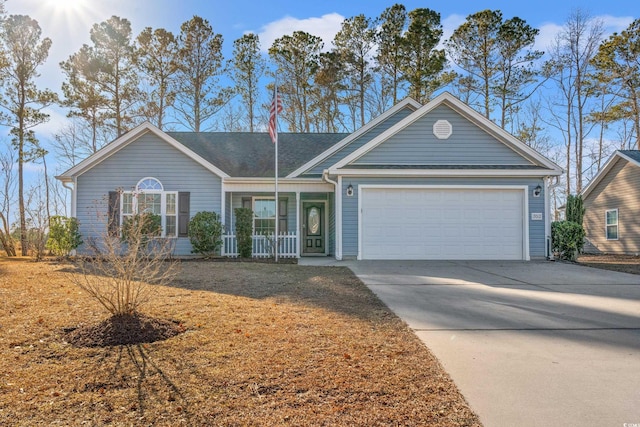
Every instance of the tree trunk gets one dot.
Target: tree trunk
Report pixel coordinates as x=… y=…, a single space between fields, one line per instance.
x=5 y=238
x=24 y=242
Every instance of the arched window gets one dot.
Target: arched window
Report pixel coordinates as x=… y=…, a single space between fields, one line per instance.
x=149 y=184
x=149 y=197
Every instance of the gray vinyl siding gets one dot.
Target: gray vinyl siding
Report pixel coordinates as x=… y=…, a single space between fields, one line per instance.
x=537 y=235
x=359 y=142
x=148 y=156
x=619 y=189
x=416 y=145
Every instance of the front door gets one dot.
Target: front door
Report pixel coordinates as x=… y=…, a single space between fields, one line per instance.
x=313 y=228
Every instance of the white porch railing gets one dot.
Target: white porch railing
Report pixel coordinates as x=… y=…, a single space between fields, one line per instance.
x=263 y=245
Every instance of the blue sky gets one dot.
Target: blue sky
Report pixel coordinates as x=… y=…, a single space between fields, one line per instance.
x=67 y=22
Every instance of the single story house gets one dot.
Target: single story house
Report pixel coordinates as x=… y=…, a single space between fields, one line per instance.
x=612 y=206
x=433 y=181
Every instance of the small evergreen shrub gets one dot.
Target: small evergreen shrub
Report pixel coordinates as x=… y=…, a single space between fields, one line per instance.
x=244 y=230
x=205 y=233
x=63 y=235
x=567 y=238
x=575 y=209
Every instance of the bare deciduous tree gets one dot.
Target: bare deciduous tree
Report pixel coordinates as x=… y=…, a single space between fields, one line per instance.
x=122 y=270
x=7 y=191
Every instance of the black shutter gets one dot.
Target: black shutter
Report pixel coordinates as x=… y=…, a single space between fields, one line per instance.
x=282 y=216
x=184 y=201
x=113 y=213
x=246 y=203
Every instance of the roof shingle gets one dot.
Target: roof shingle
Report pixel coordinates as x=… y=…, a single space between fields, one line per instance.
x=634 y=154
x=246 y=154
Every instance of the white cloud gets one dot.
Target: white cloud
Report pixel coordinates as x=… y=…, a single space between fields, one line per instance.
x=546 y=38
x=449 y=25
x=325 y=27
x=610 y=24
x=614 y=24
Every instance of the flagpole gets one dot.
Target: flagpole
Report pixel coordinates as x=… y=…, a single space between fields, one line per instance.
x=276 y=168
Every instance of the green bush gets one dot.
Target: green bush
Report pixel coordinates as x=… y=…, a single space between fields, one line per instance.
x=575 y=209
x=205 y=233
x=63 y=235
x=567 y=238
x=141 y=226
x=244 y=230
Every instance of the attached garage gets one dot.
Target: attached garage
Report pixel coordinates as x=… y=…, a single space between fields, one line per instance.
x=431 y=223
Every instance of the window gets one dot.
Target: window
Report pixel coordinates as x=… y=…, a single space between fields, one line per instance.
x=150 y=196
x=611 y=219
x=264 y=216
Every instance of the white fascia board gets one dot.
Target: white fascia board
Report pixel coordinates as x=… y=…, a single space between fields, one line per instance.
x=605 y=170
x=124 y=140
x=284 y=184
x=410 y=102
x=443 y=172
x=629 y=159
x=466 y=111
x=251 y=180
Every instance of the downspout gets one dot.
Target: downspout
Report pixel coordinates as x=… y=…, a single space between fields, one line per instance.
x=547 y=221
x=72 y=189
x=73 y=202
x=338 y=213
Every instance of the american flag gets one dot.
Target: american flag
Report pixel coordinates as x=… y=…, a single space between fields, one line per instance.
x=276 y=108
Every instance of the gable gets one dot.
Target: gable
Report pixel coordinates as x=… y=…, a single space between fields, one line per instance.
x=147 y=155
x=611 y=169
x=482 y=145
x=619 y=185
x=416 y=144
x=361 y=140
x=145 y=129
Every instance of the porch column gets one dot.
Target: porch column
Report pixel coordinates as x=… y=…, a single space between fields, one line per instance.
x=223 y=210
x=298 y=230
x=338 y=219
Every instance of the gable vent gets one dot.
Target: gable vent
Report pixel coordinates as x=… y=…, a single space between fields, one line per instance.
x=442 y=129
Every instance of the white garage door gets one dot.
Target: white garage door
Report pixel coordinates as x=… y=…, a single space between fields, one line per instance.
x=426 y=223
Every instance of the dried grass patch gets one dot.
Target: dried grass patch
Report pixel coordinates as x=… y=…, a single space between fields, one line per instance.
x=614 y=262
x=264 y=344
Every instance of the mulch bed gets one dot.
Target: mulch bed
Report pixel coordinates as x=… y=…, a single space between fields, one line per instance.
x=125 y=329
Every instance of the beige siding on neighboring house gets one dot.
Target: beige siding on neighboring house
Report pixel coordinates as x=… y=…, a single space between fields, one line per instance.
x=619 y=189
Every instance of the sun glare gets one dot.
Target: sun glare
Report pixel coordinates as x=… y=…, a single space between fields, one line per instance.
x=69 y=8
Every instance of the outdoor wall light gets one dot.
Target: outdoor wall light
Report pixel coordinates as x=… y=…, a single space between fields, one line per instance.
x=537 y=191
x=350 y=190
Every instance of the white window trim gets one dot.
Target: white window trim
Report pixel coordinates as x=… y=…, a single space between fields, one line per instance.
x=163 y=205
x=607 y=225
x=253 y=208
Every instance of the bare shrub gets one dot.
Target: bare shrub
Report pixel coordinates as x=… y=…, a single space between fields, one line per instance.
x=122 y=273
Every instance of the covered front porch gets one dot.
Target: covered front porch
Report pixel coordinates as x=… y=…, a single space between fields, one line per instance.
x=304 y=217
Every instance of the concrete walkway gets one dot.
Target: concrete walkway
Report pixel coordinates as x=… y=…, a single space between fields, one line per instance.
x=528 y=343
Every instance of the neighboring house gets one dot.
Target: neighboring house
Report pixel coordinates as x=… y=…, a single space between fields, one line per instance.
x=612 y=206
x=437 y=181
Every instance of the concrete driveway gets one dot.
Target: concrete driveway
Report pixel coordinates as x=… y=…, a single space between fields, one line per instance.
x=528 y=343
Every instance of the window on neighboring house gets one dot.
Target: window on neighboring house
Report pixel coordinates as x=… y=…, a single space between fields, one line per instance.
x=149 y=196
x=611 y=218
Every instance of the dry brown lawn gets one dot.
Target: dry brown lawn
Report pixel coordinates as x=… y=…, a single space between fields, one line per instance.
x=264 y=345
